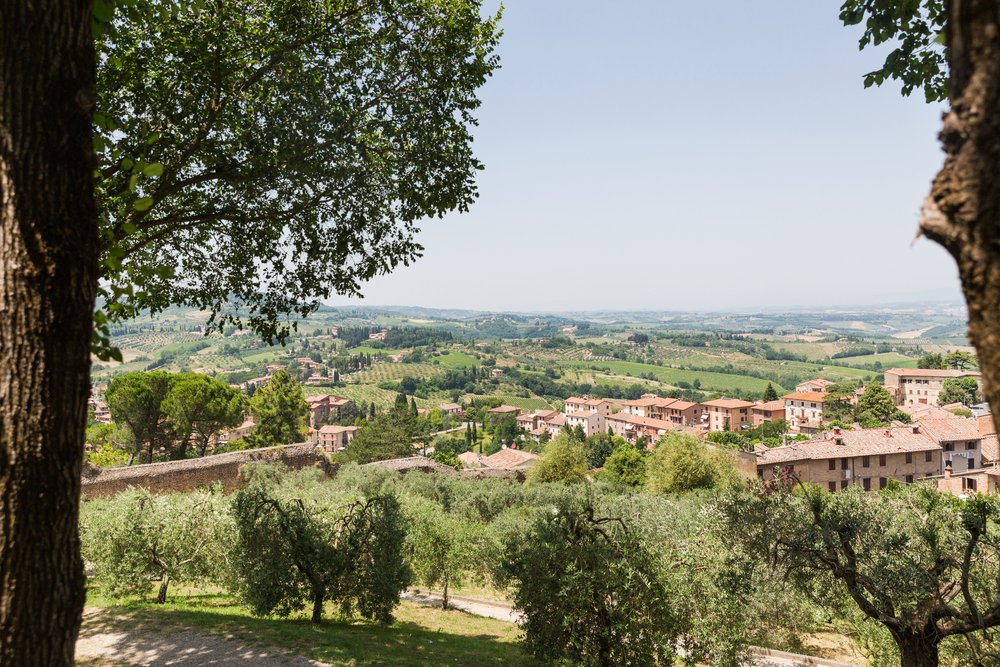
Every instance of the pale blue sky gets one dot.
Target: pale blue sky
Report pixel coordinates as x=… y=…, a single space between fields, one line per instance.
x=704 y=155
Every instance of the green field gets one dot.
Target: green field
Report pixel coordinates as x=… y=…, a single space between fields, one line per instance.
x=887 y=359
x=381 y=372
x=709 y=381
x=457 y=360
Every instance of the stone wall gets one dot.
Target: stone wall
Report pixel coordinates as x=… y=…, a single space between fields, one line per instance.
x=189 y=474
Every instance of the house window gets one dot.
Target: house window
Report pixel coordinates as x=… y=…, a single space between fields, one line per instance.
x=867 y=483
x=831 y=486
x=843 y=464
x=843 y=484
x=970 y=484
x=881 y=459
x=882 y=481
x=949 y=446
x=972 y=463
x=909 y=457
x=928 y=456
x=970 y=445
x=865 y=461
x=833 y=464
x=909 y=479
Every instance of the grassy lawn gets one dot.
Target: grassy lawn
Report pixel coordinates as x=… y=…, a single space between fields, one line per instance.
x=457 y=360
x=709 y=381
x=421 y=635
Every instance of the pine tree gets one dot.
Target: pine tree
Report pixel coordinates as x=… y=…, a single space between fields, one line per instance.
x=770 y=394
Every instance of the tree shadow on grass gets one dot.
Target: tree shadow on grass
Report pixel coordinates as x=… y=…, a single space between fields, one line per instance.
x=211 y=630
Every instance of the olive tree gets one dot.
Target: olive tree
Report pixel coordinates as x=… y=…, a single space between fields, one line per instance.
x=440 y=546
x=292 y=547
x=920 y=563
x=135 y=538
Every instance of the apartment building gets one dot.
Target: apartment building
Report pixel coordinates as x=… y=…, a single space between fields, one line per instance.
x=864 y=457
x=727 y=414
x=334 y=438
x=804 y=410
x=913 y=387
x=324 y=407
x=960 y=441
x=632 y=427
x=771 y=411
x=816 y=384
x=576 y=404
x=673 y=410
x=555 y=423
x=535 y=422
x=592 y=423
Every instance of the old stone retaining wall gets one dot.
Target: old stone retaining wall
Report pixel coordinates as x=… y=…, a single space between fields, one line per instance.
x=189 y=474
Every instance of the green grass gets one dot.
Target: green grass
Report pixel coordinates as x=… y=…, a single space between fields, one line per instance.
x=421 y=635
x=887 y=359
x=374 y=351
x=380 y=372
x=457 y=360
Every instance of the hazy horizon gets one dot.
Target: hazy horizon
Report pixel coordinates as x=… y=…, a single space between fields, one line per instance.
x=666 y=155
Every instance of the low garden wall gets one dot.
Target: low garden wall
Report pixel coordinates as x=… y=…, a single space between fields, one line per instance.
x=190 y=474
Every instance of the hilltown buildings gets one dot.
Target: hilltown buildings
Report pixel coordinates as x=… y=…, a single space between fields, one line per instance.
x=804 y=410
x=912 y=387
x=334 y=438
x=771 y=411
x=728 y=414
x=865 y=457
x=325 y=407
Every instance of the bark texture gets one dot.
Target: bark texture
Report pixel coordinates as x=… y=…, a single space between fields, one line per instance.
x=48 y=273
x=962 y=212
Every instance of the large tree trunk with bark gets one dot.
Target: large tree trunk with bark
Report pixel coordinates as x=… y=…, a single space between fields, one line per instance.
x=962 y=212
x=917 y=650
x=48 y=278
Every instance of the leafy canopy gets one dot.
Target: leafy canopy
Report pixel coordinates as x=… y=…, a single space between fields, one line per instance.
x=255 y=157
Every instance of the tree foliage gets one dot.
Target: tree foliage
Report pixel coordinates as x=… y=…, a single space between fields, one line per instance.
x=135 y=538
x=201 y=407
x=590 y=590
x=256 y=157
x=135 y=401
x=280 y=412
x=915 y=28
x=959 y=390
x=292 y=547
x=920 y=563
x=564 y=459
x=681 y=462
x=439 y=544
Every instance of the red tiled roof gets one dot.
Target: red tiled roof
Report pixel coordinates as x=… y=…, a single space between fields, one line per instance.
x=952 y=429
x=728 y=403
x=814 y=396
x=509 y=459
x=932 y=372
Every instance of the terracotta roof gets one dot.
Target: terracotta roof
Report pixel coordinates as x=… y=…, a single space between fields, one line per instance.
x=863 y=442
x=412 y=463
x=814 y=396
x=932 y=372
x=450 y=406
x=545 y=414
x=990 y=447
x=950 y=430
x=503 y=409
x=576 y=400
x=644 y=421
x=508 y=459
x=557 y=419
x=583 y=415
x=778 y=404
x=728 y=403
x=333 y=428
x=930 y=412
x=817 y=381
x=470 y=460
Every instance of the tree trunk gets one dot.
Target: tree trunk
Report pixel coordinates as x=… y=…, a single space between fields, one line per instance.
x=917 y=651
x=319 y=595
x=962 y=212
x=161 y=596
x=444 y=594
x=48 y=279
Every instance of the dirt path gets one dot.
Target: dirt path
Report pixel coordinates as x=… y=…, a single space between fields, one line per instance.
x=122 y=641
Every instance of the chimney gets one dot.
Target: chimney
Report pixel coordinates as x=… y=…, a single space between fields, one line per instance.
x=838 y=440
x=947 y=469
x=916 y=428
x=836 y=430
x=888 y=433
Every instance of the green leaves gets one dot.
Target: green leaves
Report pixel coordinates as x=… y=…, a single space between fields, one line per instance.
x=142 y=204
x=917 y=28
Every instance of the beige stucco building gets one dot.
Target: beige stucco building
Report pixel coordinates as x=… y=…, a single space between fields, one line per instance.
x=914 y=387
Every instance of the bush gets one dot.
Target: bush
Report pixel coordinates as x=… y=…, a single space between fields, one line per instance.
x=681 y=462
x=563 y=460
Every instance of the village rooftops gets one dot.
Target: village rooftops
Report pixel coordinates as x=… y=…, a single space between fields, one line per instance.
x=770 y=406
x=510 y=459
x=728 y=403
x=951 y=430
x=449 y=407
x=333 y=428
x=933 y=372
x=504 y=410
x=848 y=444
x=649 y=422
x=590 y=402
x=810 y=396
